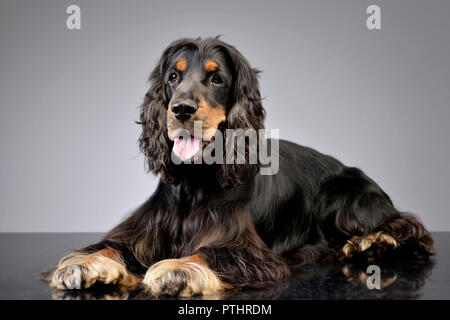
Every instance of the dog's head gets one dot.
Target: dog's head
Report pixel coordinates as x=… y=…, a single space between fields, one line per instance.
x=202 y=81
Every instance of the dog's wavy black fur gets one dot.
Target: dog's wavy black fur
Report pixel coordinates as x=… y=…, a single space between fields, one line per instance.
x=250 y=229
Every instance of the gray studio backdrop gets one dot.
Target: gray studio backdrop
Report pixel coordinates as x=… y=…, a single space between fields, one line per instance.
x=376 y=99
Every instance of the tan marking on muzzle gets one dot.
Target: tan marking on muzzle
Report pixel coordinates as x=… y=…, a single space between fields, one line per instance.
x=210 y=116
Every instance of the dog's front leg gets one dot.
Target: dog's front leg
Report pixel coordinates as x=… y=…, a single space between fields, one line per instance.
x=244 y=263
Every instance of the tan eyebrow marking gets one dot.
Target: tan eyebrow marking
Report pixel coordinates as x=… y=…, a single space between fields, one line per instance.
x=211 y=65
x=181 y=64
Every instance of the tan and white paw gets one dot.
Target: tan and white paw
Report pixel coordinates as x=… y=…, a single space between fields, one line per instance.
x=382 y=241
x=80 y=271
x=184 y=277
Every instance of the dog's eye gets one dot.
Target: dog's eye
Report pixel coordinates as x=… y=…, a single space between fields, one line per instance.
x=216 y=79
x=173 y=77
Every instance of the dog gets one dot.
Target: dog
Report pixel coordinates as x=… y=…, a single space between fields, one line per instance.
x=209 y=228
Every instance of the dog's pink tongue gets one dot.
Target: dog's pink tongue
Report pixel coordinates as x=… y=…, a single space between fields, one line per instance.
x=186 y=148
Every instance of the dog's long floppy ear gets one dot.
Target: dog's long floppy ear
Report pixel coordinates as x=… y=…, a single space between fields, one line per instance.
x=154 y=141
x=247 y=112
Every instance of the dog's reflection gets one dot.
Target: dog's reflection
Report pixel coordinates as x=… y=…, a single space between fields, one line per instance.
x=97 y=292
x=400 y=280
x=331 y=281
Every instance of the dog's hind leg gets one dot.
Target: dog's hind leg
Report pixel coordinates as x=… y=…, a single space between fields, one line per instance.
x=359 y=220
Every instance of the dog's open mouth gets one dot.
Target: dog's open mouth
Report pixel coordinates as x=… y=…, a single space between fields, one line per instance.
x=188 y=148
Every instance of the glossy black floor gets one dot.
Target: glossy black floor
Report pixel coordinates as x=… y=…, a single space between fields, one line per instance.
x=24 y=255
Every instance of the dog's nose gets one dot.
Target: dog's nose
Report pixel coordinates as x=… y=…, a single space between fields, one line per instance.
x=184 y=109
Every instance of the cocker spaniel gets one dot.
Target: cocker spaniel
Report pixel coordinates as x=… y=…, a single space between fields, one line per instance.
x=211 y=227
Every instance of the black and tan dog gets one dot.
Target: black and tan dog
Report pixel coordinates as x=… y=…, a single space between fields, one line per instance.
x=210 y=228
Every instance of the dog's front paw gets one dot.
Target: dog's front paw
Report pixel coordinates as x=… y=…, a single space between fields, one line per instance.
x=182 y=277
x=80 y=271
x=69 y=277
